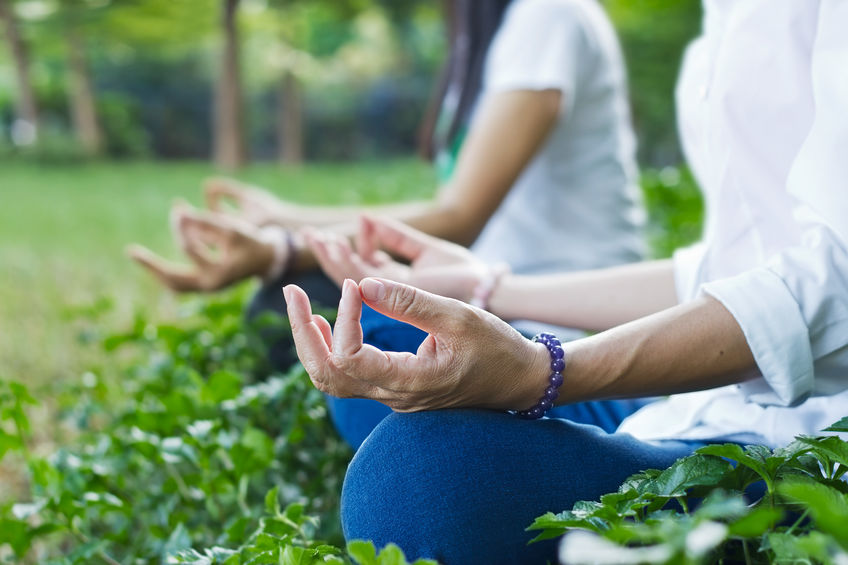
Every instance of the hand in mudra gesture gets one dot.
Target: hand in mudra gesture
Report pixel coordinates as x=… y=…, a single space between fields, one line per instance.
x=249 y=203
x=222 y=250
x=470 y=358
x=434 y=264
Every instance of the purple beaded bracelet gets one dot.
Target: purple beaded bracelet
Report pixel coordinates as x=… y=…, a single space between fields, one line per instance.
x=545 y=403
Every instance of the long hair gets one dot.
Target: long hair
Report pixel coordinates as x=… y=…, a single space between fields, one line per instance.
x=471 y=25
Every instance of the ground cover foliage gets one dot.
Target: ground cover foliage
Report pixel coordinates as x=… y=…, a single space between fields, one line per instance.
x=724 y=504
x=185 y=447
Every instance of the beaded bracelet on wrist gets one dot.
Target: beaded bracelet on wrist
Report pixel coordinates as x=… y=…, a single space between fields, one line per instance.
x=555 y=379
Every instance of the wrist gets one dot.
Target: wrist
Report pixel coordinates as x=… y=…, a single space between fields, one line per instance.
x=499 y=301
x=482 y=292
x=534 y=378
x=277 y=253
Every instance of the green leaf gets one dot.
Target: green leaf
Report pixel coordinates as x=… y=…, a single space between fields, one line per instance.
x=294 y=513
x=363 y=552
x=720 y=505
x=272 y=501
x=179 y=540
x=222 y=385
x=840 y=426
x=828 y=506
x=831 y=447
x=756 y=458
x=694 y=470
x=291 y=555
x=16 y=534
x=391 y=555
x=756 y=523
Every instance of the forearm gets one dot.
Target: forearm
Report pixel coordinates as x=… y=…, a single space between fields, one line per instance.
x=692 y=346
x=591 y=300
x=296 y=215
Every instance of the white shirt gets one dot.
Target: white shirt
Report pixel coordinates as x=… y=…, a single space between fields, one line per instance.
x=575 y=204
x=763 y=112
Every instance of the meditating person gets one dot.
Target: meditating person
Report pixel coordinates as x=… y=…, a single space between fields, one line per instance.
x=540 y=88
x=747 y=330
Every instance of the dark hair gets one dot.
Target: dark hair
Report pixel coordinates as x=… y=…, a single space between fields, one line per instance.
x=471 y=25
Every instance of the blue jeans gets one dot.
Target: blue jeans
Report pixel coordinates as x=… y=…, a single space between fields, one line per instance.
x=460 y=486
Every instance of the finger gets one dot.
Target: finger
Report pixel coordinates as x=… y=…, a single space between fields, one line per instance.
x=217 y=190
x=212 y=227
x=317 y=244
x=314 y=349
x=310 y=343
x=178 y=209
x=366 y=238
x=325 y=328
x=400 y=239
x=429 y=312
x=194 y=240
x=347 y=334
x=174 y=276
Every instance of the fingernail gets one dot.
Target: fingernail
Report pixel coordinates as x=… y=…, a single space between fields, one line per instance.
x=347 y=287
x=372 y=290
x=286 y=293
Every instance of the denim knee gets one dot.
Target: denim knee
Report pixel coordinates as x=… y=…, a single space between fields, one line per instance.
x=428 y=482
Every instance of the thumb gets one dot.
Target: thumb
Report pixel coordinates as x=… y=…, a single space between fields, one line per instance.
x=429 y=312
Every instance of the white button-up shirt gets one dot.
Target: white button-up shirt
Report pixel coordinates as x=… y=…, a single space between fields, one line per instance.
x=763 y=111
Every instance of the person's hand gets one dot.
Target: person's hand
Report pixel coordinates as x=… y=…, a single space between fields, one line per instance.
x=223 y=250
x=252 y=204
x=470 y=359
x=435 y=265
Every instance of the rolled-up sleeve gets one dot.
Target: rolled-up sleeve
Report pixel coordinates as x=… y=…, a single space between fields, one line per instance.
x=793 y=312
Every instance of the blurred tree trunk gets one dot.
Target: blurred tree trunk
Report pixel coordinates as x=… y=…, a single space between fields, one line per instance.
x=27 y=107
x=290 y=120
x=229 y=146
x=81 y=94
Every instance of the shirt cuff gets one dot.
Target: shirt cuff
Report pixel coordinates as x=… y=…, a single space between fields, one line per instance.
x=775 y=331
x=687 y=268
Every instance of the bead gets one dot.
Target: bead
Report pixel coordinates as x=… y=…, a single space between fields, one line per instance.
x=554 y=347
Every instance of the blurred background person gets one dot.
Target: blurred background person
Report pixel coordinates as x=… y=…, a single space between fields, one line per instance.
x=531 y=116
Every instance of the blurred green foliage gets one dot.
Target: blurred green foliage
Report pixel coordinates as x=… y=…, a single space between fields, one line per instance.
x=153 y=64
x=653 y=35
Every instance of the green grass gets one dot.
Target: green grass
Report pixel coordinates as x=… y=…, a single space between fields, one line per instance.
x=63 y=230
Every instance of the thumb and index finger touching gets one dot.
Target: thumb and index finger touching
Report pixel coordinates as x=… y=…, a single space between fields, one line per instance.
x=392 y=235
x=218 y=190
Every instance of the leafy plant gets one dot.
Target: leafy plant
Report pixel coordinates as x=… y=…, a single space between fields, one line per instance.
x=177 y=447
x=696 y=511
x=284 y=537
